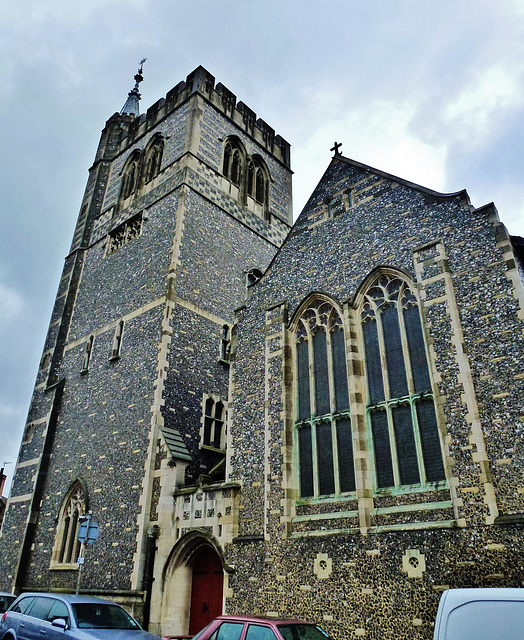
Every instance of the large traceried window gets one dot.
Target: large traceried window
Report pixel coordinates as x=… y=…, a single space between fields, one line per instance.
x=400 y=409
x=67 y=545
x=323 y=423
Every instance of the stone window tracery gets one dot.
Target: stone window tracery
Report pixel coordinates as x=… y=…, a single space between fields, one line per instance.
x=249 y=173
x=67 y=546
x=124 y=234
x=400 y=407
x=323 y=421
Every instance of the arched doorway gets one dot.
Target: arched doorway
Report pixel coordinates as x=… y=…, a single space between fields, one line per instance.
x=192 y=585
x=206 y=590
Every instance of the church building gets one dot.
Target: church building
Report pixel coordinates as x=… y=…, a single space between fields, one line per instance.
x=320 y=420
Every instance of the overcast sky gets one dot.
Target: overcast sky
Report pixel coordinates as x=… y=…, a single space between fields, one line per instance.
x=430 y=91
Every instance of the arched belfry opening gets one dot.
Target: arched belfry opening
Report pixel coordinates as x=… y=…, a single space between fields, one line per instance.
x=193 y=585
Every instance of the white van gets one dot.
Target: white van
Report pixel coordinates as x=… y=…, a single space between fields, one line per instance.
x=480 y=614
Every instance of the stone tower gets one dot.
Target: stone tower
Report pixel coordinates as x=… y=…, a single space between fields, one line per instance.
x=184 y=208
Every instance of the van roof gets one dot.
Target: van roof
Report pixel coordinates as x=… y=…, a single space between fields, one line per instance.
x=456 y=597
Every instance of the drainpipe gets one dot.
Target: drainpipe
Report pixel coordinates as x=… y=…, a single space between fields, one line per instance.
x=152 y=535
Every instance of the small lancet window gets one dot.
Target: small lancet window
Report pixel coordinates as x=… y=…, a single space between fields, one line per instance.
x=235 y=167
x=323 y=421
x=117 y=341
x=260 y=187
x=400 y=406
x=251 y=172
x=88 y=349
x=225 y=344
x=214 y=419
x=67 y=546
x=349 y=199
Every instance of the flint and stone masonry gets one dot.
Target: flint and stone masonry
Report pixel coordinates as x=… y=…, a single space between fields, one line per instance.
x=193 y=323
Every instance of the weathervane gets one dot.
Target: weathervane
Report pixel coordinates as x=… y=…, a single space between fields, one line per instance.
x=139 y=77
x=131 y=106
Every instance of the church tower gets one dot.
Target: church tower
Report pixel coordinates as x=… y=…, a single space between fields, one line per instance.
x=185 y=207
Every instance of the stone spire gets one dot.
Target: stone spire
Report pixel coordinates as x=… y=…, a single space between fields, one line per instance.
x=131 y=106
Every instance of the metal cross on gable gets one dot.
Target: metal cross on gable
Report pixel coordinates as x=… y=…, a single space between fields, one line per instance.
x=335 y=148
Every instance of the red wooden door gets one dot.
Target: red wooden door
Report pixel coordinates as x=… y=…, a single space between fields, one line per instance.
x=206 y=590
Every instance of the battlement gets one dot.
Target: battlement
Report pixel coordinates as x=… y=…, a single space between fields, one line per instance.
x=202 y=82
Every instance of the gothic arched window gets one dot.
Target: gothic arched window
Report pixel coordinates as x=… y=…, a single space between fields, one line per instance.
x=257 y=179
x=233 y=161
x=67 y=546
x=323 y=422
x=400 y=408
x=131 y=175
x=153 y=160
x=213 y=434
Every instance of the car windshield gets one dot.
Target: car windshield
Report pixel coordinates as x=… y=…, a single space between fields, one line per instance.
x=302 y=632
x=102 y=616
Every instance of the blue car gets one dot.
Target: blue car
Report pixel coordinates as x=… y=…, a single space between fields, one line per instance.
x=68 y=617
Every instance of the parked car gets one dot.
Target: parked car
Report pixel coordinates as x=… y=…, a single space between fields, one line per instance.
x=255 y=628
x=482 y=614
x=6 y=599
x=34 y=615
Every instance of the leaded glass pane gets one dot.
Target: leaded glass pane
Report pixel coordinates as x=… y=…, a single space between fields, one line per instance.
x=373 y=366
x=398 y=385
x=346 y=471
x=340 y=372
x=305 y=454
x=431 y=451
x=405 y=441
x=304 y=410
x=382 y=448
x=321 y=373
x=417 y=352
x=326 y=475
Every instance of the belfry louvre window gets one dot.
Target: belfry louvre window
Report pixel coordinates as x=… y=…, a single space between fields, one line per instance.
x=67 y=545
x=256 y=181
x=400 y=407
x=232 y=167
x=153 y=160
x=131 y=176
x=323 y=422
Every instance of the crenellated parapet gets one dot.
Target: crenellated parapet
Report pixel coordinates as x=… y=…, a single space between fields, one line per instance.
x=202 y=82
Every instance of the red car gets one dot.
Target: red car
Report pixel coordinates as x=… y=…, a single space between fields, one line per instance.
x=254 y=628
